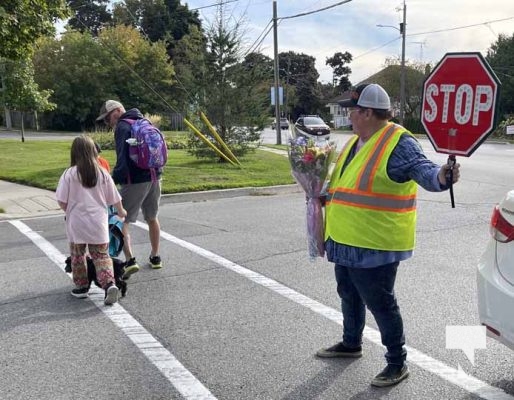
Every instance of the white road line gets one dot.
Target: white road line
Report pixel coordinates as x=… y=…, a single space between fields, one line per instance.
x=185 y=382
x=455 y=376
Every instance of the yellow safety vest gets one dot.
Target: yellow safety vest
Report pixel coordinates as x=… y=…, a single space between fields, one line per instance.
x=365 y=208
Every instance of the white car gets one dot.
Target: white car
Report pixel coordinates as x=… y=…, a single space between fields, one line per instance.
x=495 y=275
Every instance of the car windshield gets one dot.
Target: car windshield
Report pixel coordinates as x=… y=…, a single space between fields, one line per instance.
x=313 y=121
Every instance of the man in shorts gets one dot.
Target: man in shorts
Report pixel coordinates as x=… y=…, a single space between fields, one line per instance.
x=138 y=190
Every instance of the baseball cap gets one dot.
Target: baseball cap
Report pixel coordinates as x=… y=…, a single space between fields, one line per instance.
x=368 y=95
x=107 y=107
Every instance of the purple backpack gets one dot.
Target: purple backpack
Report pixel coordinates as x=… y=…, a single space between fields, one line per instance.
x=147 y=147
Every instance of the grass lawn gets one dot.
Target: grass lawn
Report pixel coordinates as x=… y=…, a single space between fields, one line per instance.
x=41 y=163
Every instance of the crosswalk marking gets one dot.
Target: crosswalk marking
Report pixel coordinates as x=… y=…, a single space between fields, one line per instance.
x=455 y=376
x=183 y=380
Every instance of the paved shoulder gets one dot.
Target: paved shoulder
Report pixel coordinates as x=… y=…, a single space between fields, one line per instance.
x=20 y=201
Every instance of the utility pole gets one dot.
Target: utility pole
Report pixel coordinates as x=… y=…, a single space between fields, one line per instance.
x=275 y=54
x=403 y=28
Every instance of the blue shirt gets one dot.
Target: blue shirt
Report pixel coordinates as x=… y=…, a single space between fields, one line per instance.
x=407 y=161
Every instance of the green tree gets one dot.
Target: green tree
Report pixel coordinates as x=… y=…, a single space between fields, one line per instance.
x=19 y=90
x=389 y=79
x=158 y=20
x=340 y=70
x=83 y=72
x=299 y=70
x=234 y=98
x=141 y=74
x=22 y=22
x=500 y=57
x=190 y=69
x=89 y=15
x=180 y=29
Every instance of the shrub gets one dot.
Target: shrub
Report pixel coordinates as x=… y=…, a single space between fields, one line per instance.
x=501 y=129
x=240 y=141
x=104 y=138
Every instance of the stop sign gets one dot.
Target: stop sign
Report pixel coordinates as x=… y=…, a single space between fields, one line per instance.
x=459 y=103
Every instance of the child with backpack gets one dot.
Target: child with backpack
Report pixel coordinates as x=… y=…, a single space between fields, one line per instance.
x=84 y=192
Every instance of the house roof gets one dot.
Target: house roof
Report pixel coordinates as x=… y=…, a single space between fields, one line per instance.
x=375 y=78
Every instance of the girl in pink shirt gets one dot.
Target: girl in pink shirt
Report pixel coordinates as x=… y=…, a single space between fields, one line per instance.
x=84 y=192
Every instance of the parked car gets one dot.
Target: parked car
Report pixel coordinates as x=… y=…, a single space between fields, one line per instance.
x=311 y=126
x=284 y=124
x=495 y=275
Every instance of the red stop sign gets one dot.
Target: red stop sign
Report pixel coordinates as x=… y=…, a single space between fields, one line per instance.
x=459 y=103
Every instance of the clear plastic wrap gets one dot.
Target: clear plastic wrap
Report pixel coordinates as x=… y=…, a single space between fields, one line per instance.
x=310 y=164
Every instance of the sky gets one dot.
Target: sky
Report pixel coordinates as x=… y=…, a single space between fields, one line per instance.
x=434 y=28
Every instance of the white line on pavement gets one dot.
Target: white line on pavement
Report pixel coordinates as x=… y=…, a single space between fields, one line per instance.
x=185 y=382
x=455 y=376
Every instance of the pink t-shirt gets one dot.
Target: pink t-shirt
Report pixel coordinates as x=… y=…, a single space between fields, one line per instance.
x=86 y=213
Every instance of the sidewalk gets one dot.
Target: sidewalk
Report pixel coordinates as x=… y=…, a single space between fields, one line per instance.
x=20 y=201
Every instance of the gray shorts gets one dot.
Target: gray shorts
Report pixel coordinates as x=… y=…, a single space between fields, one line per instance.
x=144 y=196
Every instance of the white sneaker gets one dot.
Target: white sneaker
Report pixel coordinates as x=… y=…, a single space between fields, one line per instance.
x=111 y=295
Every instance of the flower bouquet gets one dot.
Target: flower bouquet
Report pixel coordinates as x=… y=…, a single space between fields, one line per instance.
x=310 y=163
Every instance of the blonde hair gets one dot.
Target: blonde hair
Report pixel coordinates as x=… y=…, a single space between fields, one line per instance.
x=83 y=156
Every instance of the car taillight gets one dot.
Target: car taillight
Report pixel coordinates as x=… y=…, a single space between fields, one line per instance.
x=501 y=230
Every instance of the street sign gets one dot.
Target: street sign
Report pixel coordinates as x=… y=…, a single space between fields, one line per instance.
x=460 y=97
x=280 y=95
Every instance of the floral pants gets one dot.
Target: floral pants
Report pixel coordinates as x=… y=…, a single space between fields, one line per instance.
x=99 y=253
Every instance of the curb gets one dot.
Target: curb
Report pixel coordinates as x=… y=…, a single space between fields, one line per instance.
x=44 y=208
x=229 y=193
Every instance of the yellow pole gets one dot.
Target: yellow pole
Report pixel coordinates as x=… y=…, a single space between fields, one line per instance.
x=207 y=141
x=218 y=138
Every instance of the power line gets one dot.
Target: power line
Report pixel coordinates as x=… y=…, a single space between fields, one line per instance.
x=213 y=5
x=375 y=49
x=316 y=11
x=460 y=27
x=255 y=46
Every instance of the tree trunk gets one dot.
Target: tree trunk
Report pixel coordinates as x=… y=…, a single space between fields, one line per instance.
x=8 y=121
x=22 y=127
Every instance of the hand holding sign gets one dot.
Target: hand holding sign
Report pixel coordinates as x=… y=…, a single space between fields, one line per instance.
x=459 y=105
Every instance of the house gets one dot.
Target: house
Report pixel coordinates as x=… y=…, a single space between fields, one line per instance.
x=339 y=115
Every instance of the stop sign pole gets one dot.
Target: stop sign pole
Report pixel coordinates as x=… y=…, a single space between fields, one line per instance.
x=459 y=107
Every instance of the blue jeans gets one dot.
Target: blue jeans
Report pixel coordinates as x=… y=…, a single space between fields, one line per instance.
x=374 y=288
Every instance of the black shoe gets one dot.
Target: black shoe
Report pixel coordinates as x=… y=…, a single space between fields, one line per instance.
x=111 y=294
x=80 y=293
x=155 y=262
x=391 y=375
x=340 y=350
x=130 y=268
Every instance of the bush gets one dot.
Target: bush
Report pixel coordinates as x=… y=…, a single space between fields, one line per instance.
x=104 y=138
x=240 y=141
x=501 y=129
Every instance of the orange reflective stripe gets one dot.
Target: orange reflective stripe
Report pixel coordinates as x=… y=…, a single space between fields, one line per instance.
x=375 y=201
x=365 y=179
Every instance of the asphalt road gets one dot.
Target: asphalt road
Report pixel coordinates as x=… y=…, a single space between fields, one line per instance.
x=238 y=310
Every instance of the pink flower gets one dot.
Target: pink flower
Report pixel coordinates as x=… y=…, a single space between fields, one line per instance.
x=308 y=157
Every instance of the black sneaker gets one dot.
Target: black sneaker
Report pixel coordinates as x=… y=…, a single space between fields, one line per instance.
x=391 y=375
x=340 y=350
x=80 y=293
x=130 y=268
x=111 y=294
x=155 y=262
